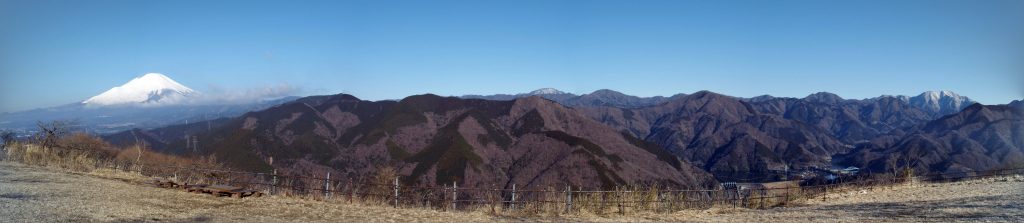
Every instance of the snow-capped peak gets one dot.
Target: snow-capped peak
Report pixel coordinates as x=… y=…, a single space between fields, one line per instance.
x=148 y=89
x=546 y=91
x=935 y=96
x=941 y=102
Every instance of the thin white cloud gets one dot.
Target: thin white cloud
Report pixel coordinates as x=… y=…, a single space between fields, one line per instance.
x=220 y=95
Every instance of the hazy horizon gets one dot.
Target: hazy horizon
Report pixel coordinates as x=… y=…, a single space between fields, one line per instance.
x=381 y=50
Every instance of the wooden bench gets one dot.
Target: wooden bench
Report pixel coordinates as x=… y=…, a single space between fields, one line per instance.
x=165 y=183
x=216 y=190
x=223 y=190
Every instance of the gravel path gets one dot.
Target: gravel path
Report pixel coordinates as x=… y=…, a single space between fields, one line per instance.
x=33 y=194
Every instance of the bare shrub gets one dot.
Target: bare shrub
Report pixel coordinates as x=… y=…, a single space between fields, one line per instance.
x=50 y=133
x=181 y=168
x=88 y=143
x=7 y=137
x=380 y=188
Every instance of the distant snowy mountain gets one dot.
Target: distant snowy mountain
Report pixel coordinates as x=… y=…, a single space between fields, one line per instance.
x=934 y=103
x=149 y=101
x=549 y=93
x=940 y=102
x=544 y=91
x=152 y=89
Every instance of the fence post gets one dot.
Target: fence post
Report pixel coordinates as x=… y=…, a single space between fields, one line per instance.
x=513 y=202
x=455 y=195
x=824 y=196
x=273 y=187
x=660 y=203
x=568 y=199
x=495 y=193
x=327 y=186
x=396 y=192
x=762 y=198
x=786 y=203
x=670 y=198
x=737 y=200
x=618 y=195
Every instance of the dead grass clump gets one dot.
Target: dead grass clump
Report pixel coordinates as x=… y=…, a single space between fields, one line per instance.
x=79 y=151
x=76 y=151
x=32 y=154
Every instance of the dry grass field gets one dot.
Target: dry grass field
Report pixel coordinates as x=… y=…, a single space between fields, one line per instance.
x=34 y=194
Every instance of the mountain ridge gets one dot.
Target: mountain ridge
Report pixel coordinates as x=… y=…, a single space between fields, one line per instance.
x=981 y=137
x=936 y=103
x=433 y=140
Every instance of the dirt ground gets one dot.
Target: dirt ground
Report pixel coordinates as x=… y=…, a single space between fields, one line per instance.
x=33 y=194
x=988 y=200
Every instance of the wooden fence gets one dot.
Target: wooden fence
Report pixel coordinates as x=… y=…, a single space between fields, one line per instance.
x=565 y=199
x=550 y=199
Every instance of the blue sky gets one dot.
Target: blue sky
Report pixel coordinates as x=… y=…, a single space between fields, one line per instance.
x=391 y=49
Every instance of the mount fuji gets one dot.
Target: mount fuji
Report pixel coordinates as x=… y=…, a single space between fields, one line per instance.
x=147 y=90
x=148 y=101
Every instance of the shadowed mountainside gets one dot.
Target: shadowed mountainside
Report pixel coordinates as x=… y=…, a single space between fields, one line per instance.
x=435 y=140
x=737 y=138
x=535 y=141
x=725 y=135
x=981 y=137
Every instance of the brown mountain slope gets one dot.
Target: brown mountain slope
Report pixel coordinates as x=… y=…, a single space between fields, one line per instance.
x=740 y=139
x=850 y=121
x=725 y=135
x=981 y=137
x=436 y=140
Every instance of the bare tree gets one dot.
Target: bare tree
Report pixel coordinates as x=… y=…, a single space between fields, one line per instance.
x=138 y=146
x=50 y=132
x=903 y=165
x=893 y=161
x=7 y=137
x=85 y=142
x=909 y=164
